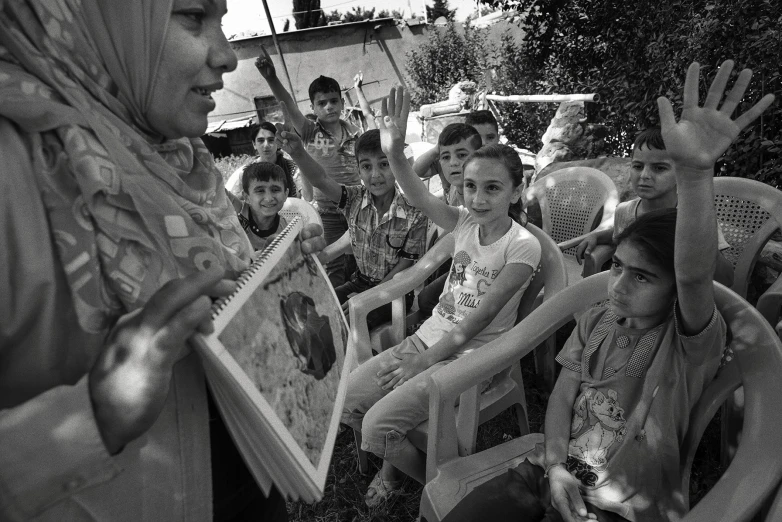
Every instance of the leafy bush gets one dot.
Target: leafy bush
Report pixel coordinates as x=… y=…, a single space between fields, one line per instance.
x=632 y=52
x=447 y=57
x=228 y=164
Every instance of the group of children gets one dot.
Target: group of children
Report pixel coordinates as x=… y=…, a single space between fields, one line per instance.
x=631 y=371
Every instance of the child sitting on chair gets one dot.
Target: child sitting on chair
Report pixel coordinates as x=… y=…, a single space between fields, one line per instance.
x=493 y=260
x=653 y=178
x=387 y=234
x=633 y=371
x=264 y=191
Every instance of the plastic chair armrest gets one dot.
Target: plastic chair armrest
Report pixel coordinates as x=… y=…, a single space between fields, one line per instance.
x=770 y=302
x=597 y=258
x=406 y=281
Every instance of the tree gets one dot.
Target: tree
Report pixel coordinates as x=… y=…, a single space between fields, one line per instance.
x=307 y=13
x=445 y=58
x=632 y=52
x=357 y=14
x=440 y=8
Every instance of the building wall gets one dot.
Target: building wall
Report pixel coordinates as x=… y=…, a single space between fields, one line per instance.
x=376 y=47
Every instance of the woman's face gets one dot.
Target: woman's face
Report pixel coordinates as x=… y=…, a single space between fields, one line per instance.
x=195 y=56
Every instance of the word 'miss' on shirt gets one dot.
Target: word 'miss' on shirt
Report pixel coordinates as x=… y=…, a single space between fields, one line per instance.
x=473 y=270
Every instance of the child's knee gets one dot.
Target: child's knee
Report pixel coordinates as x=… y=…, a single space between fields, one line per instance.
x=380 y=436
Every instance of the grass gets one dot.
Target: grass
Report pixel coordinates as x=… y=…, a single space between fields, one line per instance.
x=343 y=500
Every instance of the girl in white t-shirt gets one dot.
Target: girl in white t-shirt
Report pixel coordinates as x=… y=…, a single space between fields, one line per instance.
x=493 y=260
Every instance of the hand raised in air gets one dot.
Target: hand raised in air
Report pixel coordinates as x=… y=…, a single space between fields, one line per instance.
x=703 y=134
x=265 y=65
x=286 y=138
x=393 y=120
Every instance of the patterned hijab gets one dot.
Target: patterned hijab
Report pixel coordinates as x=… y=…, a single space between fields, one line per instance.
x=76 y=76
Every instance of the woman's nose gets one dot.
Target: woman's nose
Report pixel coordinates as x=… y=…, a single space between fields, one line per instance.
x=221 y=55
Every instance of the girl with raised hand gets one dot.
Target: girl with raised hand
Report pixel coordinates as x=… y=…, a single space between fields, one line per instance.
x=493 y=260
x=634 y=369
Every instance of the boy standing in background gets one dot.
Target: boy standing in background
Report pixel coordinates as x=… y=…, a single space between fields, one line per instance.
x=330 y=140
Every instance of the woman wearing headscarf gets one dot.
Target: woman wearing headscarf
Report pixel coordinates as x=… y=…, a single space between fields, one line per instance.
x=115 y=232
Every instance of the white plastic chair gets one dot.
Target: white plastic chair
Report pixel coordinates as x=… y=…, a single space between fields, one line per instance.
x=507 y=388
x=757 y=364
x=570 y=201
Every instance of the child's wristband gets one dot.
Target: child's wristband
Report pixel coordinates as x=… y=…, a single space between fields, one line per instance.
x=552 y=466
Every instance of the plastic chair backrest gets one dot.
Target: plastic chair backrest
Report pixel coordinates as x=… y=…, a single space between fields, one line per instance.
x=749 y=212
x=551 y=275
x=570 y=200
x=298 y=207
x=756 y=364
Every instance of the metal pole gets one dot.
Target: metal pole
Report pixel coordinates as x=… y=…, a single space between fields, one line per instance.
x=279 y=50
x=544 y=98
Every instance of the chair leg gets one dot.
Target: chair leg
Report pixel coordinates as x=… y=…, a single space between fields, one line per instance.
x=363 y=461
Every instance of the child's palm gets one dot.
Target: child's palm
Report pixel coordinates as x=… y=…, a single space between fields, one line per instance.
x=703 y=134
x=393 y=119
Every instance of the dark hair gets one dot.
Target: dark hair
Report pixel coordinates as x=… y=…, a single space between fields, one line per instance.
x=651 y=137
x=263 y=171
x=265 y=125
x=481 y=117
x=654 y=233
x=455 y=132
x=503 y=154
x=324 y=85
x=368 y=143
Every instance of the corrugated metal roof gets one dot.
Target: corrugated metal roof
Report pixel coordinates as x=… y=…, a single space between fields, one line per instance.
x=236 y=123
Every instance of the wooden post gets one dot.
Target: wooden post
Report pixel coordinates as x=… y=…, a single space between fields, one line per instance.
x=279 y=49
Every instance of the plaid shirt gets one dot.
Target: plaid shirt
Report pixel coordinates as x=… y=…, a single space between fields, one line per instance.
x=379 y=242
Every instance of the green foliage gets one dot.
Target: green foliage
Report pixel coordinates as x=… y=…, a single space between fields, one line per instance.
x=307 y=13
x=228 y=164
x=438 y=9
x=448 y=56
x=631 y=53
x=358 y=14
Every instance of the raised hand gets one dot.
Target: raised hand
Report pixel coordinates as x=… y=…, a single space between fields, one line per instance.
x=358 y=80
x=286 y=138
x=703 y=134
x=265 y=65
x=393 y=120
x=129 y=381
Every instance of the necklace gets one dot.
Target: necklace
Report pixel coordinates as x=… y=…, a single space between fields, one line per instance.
x=263 y=233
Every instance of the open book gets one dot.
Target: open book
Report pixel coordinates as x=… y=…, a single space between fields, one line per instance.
x=276 y=365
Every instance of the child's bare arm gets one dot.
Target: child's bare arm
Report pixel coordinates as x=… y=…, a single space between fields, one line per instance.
x=565 y=495
x=358 y=80
x=508 y=281
x=694 y=144
x=312 y=171
x=423 y=163
x=265 y=66
x=392 y=121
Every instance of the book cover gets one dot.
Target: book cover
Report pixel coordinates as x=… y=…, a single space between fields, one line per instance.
x=276 y=364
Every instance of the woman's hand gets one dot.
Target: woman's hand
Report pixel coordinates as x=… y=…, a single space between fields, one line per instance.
x=265 y=65
x=129 y=381
x=312 y=240
x=401 y=370
x=566 y=497
x=703 y=134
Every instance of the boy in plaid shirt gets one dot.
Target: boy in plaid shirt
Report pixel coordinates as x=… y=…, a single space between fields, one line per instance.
x=387 y=234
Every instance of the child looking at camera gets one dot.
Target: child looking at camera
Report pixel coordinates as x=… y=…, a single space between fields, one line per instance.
x=264 y=191
x=493 y=260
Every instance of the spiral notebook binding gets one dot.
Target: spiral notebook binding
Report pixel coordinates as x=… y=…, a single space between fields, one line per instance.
x=256 y=265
